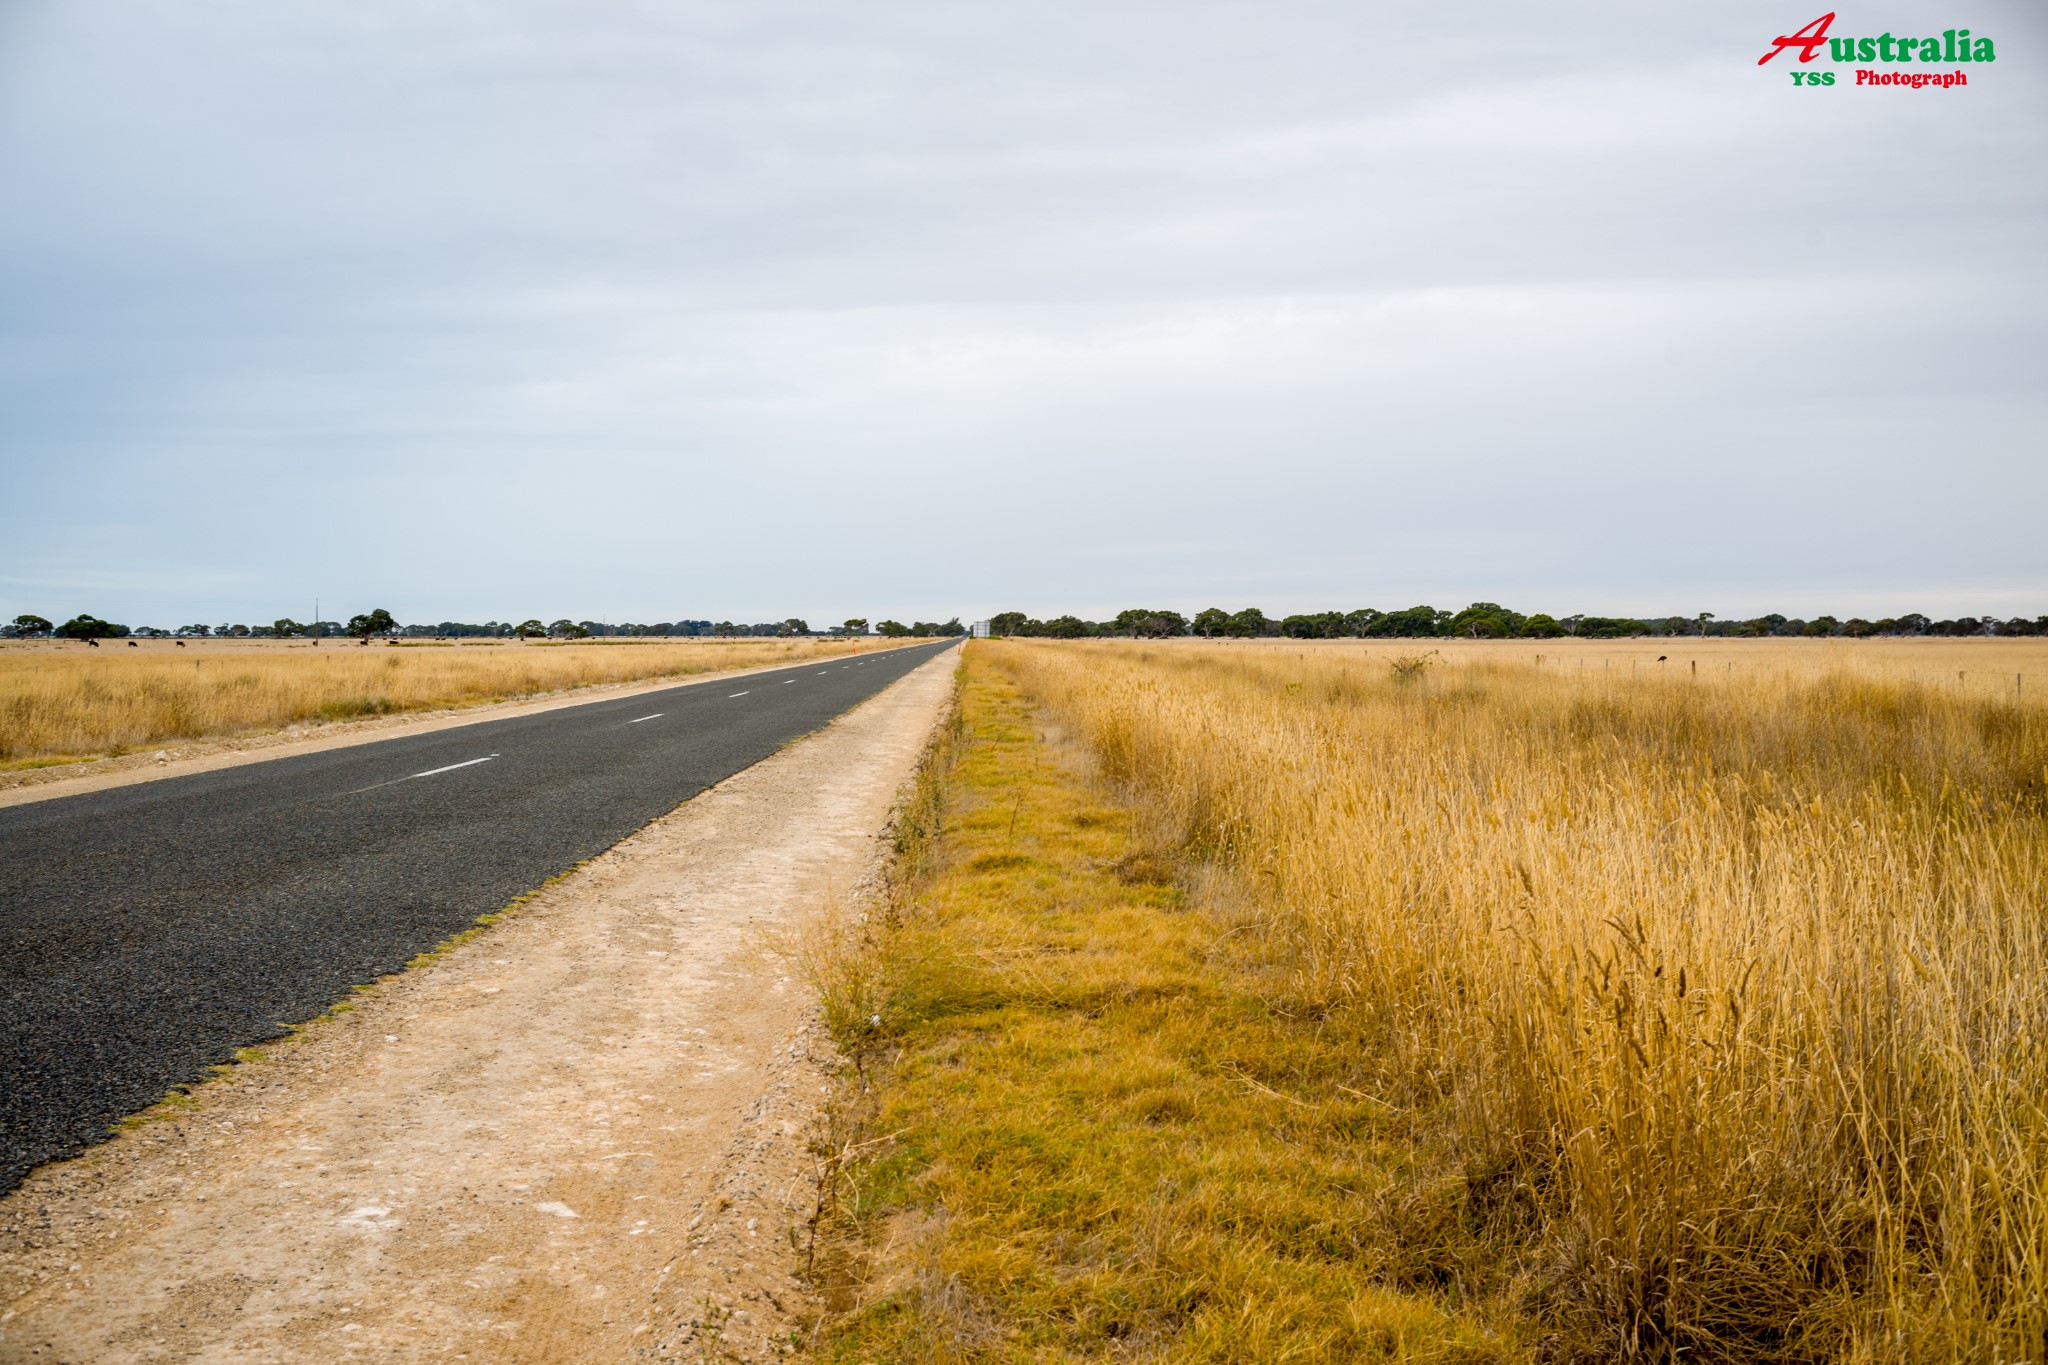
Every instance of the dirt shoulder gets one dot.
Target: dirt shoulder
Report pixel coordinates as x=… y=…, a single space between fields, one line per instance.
x=185 y=757
x=577 y=1138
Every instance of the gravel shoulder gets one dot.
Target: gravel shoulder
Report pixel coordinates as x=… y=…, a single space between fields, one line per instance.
x=579 y=1137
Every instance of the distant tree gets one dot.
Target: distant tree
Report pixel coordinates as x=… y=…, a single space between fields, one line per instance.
x=1610 y=627
x=568 y=630
x=1487 y=621
x=796 y=625
x=951 y=626
x=1144 y=623
x=856 y=625
x=377 y=622
x=1211 y=622
x=1249 y=624
x=84 y=627
x=1541 y=627
x=895 y=630
x=1823 y=625
x=284 y=627
x=1007 y=623
x=1068 y=628
x=1963 y=625
x=1320 y=625
x=1360 y=622
x=199 y=631
x=530 y=629
x=30 y=627
x=1413 y=623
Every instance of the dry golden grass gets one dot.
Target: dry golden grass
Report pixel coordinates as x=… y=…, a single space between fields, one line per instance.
x=1725 y=994
x=67 y=702
x=1073 y=1129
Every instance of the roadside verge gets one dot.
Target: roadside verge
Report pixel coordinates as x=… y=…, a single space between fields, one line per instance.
x=1074 y=1122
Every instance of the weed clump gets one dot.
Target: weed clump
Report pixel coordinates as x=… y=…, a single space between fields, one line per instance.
x=353 y=708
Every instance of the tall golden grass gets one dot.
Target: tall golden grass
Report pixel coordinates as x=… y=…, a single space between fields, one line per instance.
x=1731 y=988
x=58 y=702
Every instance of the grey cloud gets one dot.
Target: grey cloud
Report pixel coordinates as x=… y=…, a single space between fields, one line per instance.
x=903 y=308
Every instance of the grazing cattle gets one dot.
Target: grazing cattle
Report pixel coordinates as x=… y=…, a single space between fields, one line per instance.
x=1662 y=657
x=133 y=645
x=181 y=644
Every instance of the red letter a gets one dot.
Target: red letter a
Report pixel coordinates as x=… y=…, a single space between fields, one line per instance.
x=1810 y=38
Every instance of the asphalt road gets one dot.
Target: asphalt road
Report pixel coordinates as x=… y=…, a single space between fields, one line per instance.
x=148 y=931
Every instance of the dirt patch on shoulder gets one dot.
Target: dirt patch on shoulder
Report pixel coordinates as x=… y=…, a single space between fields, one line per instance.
x=580 y=1137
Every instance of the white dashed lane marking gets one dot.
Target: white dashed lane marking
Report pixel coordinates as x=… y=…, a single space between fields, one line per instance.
x=431 y=772
x=468 y=763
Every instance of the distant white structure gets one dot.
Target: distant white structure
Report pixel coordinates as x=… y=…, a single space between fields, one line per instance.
x=979 y=630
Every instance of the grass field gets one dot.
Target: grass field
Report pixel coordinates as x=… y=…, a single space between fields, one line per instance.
x=61 y=703
x=1268 y=1002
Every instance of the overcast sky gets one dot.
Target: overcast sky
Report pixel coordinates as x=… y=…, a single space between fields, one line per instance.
x=629 y=310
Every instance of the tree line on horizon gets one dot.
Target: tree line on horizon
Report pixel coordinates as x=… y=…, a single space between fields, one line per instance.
x=1480 y=620
x=381 y=623
x=1484 y=621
